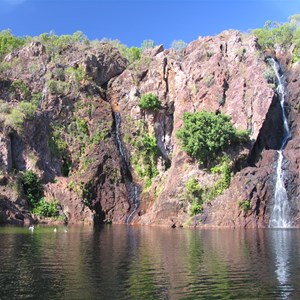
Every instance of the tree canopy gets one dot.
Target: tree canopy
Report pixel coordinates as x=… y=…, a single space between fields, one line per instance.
x=205 y=134
x=280 y=35
x=9 y=42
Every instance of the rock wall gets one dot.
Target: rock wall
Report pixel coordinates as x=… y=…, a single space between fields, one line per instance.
x=219 y=74
x=82 y=89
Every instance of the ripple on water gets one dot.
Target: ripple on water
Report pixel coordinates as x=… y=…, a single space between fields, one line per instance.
x=123 y=262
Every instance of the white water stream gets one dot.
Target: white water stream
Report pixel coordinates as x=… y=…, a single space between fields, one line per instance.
x=280 y=214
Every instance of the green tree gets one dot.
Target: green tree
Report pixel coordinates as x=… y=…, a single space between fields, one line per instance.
x=280 y=35
x=9 y=42
x=55 y=44
x=204 y=134
x=147 y=44
x=32 y=188
x=149 y=101
x=178 y=45
x=133 y=54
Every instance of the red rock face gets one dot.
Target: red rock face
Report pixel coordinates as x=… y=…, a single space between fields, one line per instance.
x=74 y=114
x=292 y=150
x=225 y=73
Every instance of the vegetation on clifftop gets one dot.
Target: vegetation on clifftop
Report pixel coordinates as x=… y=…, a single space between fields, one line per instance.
x=9 y=42
x=283 y=36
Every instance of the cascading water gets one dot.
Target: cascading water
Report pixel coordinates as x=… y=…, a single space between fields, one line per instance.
x=133 y=190
x=280 y=214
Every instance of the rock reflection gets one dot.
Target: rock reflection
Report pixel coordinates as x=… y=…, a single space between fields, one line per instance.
x=131 y=262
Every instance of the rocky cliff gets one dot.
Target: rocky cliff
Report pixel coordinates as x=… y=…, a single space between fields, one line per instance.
x=87 y=105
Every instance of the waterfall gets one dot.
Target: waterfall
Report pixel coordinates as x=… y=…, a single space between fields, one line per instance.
x=132 y=188
x=280 y=214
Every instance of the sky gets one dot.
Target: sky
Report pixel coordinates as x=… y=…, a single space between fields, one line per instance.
x=132 y=21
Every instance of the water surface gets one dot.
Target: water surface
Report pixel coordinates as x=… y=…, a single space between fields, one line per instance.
x=127 y=262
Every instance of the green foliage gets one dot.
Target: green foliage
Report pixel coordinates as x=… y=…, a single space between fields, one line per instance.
x=99 y=137
x=145 y=157
x=36 y=98
x=144 y=153
x=58 y=73
x=82 y=126
x=178 y=45
x=15 y=120
x=32 y=187
x=149 y=101
x=275 y=34
x=192 y=186
x=24 y=110
x=241 y=136
x=56 y=44
x=296 y=41
x=132 y=54
x=224 y=170
x=270 y=75
x=195 y=208
x=28 y=109
x=147 y=44
x=4 y=107
x=9 y=42
x=197 y=195
x=46 y=209
x=282 y=35
x=193 y=194
x=58 y=87
x=4 y=66
x=33 y=191
x=71 y=185
x=84 y=190
x=57 y=143
x=245 y=205
x=19 y=90
x=204 y=134
x=59 y=148
x=76 y=74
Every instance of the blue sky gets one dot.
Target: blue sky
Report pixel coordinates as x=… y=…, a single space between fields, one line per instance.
x=133 y=21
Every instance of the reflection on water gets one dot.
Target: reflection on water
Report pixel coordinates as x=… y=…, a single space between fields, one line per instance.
x=126 y=262
x=282 y=241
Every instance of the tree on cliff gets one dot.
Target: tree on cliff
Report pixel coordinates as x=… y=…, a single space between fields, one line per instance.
x=9 y=42
x=280 y=35
x=205 y=134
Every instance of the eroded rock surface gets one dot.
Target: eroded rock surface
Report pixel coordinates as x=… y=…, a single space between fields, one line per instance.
x=70 y=142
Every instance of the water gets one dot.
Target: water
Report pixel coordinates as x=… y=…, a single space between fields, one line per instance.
x=128 y=262
x=280 y=213
x=132 y=188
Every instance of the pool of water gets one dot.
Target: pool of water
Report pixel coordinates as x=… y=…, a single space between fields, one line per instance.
x=131 y=262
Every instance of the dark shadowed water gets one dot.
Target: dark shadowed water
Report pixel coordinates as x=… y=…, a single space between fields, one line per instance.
x=126 y=262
